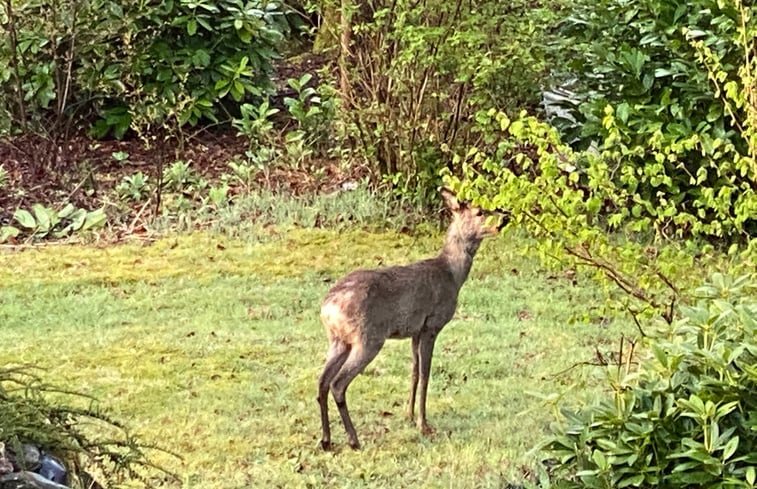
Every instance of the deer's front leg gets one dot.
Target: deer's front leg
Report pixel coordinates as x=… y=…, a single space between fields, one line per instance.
x=425 y=352
x=413 y=379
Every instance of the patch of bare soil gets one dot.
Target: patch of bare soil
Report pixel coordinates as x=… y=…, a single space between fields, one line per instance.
x=86 y=172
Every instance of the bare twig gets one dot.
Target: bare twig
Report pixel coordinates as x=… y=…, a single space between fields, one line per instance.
x=630 y=355
x=576 y=365
x=620 y=353
x=130 y=229
x=344 y=52
x=624 y=283
x=69 y=64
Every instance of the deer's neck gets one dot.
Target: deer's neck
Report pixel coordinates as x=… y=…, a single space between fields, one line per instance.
x=458 y=253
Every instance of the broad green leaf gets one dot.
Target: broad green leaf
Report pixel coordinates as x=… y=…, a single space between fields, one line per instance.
x=623 y=111
x=63 y=232
x=77 y=219
x=634 y=480
x=44 y=217
x=94 y=219
x=25 y=219
x=599 y=458
x=8 y=232
x=203 y=21
x=730 y=448
x=66 y=211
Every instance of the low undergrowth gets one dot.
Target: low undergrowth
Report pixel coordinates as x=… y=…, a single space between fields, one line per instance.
x=97 y=450
x=255 y=212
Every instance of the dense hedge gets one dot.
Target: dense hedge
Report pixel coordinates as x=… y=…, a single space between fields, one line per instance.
x=665 y=85
x=120 y=64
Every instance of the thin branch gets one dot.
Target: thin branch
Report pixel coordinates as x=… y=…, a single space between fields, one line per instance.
x=69 y=62
x=636 y=321
x=667 y=282
x=578 y=364
x=620 y=353
x=625 y=284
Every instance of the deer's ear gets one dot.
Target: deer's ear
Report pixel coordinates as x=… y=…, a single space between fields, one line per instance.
x=451 y=199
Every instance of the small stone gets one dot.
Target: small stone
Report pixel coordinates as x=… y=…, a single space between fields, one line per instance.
x=52 y=469
x=6 y=466
x=31 y=456
x=28 y=480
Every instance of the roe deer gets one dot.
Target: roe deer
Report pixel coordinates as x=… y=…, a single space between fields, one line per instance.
x=415 y=301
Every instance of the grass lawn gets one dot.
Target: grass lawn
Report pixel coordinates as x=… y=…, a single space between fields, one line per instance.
x=212 y=346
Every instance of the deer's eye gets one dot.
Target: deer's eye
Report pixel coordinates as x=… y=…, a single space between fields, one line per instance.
x=476 y=211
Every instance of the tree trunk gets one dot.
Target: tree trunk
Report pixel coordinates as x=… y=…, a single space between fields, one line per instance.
x=344 y=52
x=11 y=28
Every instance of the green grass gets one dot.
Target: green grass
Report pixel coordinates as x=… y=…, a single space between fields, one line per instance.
x=211 y=347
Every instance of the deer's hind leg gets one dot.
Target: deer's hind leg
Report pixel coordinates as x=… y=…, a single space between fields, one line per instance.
x=335 y=358
x=360 y=355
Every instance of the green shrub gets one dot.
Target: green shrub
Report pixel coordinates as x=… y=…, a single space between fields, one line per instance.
x=181 y=177
x=133 y=187
x=308 y=133
x=44 y=221
x=687 y=417
x=632 y=211
x=131 y=64
x=581 y=215
x=256 y=125
x=671 y=126
x=312 y=112
x=638 y=53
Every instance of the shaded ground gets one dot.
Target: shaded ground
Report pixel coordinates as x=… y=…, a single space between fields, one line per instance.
x=86 y=168
x=84 y=171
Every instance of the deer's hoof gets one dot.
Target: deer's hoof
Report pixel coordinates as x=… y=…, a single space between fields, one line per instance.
x=427 y=429
x=326 y=445
x=354 y=444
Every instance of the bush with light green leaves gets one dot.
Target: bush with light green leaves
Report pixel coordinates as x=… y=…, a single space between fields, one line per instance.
x=580 y=211
x=667 y=92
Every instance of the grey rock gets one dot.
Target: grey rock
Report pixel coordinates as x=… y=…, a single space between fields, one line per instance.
x=52 y=468
x=6 y=465
x=31 y=456
x=28 y=480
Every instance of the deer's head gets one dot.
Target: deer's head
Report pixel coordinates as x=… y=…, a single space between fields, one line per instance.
x=470 y=223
